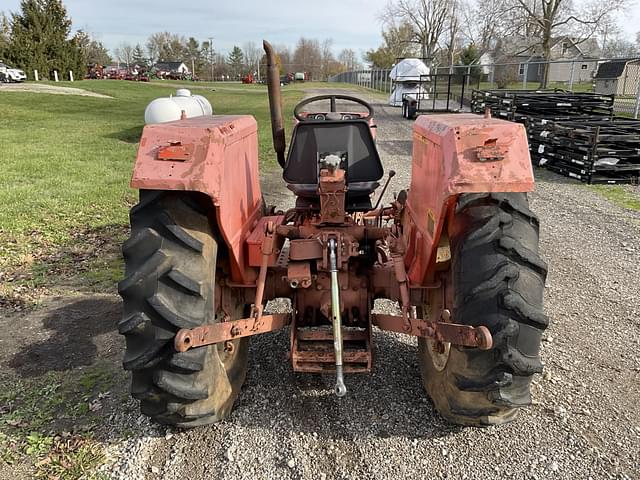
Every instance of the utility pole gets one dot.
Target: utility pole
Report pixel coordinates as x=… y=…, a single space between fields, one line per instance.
x=211 y=56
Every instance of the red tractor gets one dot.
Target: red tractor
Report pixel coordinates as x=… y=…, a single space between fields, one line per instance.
x=458 y=251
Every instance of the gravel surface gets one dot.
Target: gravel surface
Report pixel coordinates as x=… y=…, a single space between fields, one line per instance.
x=584 y=423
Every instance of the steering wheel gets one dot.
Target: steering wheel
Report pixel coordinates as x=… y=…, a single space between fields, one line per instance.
x=332 y=99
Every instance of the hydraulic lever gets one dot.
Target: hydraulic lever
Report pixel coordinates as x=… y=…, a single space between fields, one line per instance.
x=392 y=173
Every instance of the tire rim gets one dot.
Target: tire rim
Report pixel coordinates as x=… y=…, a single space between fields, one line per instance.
x=440 y=351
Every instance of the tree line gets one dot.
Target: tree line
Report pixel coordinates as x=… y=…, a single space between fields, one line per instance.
x=38 y=37
x=448 y=32
x=309 y=55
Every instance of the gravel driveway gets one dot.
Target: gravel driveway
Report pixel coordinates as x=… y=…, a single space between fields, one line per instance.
x=584 y=422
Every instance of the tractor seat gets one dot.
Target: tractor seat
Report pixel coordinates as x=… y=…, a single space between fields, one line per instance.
x=350 y=140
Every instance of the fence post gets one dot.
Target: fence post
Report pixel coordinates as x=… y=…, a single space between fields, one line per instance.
x=573 y=65
x=71 y=75
x=35 y=75
x=636 y=110
x=55 y=75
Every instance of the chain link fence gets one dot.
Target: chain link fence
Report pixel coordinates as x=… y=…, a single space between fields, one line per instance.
x=618 y=77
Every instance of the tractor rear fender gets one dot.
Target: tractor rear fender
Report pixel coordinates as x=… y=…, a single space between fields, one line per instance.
x=214 y=155
x=454 y=154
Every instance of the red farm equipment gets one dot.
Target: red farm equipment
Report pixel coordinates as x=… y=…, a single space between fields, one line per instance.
x=458 y=251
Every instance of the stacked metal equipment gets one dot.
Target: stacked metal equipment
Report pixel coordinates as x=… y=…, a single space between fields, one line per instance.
x=575 y=134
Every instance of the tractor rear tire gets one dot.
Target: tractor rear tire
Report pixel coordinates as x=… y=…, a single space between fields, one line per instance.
x=170 y=268
x=497 y=279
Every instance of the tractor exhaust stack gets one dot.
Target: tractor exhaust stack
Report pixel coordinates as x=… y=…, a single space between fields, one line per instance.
x=275 y=103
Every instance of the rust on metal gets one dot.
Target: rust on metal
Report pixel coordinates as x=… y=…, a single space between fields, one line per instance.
x=267 y=252
x=326 y=334
x=398 y=251
x=256 y=239
x=299 y=274
x=463 y=335
x=332 y=189
x=231 y=330
x=176 y=151
x=305 y=249
x=275 y=103
x=312 y=349
x=329 y=356
x=436 y=182
x=225 y=149
x=491 y=151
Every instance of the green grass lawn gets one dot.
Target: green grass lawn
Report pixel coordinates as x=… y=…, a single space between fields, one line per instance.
x=66 y=163
x=619 y=195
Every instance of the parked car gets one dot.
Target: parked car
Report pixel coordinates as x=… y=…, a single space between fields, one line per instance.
x=8 y=74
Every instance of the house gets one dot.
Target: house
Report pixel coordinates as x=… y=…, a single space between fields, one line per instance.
x=619 y=77
x=572 y=60
x=163 y=69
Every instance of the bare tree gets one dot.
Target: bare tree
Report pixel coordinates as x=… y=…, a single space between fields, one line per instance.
x=553 y=17
x=428 y=19
x=307 y=57
x=398 y=43
x=93 y=51
x=124 y=53
x=326 y=52
x=620 y=47
x=285 y=57
x=451 y=37
x=165 y=46
x=348 y=58
x=484 y=21
x=252 y=55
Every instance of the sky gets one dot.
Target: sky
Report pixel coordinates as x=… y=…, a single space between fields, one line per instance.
x=351 y=24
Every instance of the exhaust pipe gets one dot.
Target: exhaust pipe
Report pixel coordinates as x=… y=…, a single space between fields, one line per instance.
x=275 y=103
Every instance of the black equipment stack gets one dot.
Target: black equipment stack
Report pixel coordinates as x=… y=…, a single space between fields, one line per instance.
x=574 y=134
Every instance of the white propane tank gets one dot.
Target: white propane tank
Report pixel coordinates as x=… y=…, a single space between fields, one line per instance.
x=169 y=109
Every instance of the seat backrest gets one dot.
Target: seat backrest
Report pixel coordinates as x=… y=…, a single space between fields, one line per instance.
x=311 y=139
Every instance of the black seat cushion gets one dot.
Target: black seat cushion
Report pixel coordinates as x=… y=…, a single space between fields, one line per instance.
x=314 y=138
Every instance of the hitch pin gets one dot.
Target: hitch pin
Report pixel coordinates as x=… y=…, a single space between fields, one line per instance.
x=341 y=389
